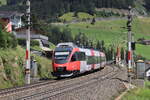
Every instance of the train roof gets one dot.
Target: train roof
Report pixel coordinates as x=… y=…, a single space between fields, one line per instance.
x=69 y=46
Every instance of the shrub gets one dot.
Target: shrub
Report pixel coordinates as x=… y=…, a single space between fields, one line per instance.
x=34 y=43
x=22 y=42
x=8 y=71
x=7 y=40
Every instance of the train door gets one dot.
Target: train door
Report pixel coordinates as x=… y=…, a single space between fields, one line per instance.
x=74 y=64
x=83 y=63
x=103 y=60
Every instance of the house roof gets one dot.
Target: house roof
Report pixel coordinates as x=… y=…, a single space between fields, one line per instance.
x=35 y=34
x=22 y=30
x=8 y=14
x=146 y=40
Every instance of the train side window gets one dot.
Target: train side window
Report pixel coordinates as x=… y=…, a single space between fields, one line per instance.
x=81 y=56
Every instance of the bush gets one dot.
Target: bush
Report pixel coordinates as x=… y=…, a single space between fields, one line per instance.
x=57 y=35
x=106 y=13
x=34 y=43
x=22 y=42
x=7 y=40
x=13 y=41
x=8 y=71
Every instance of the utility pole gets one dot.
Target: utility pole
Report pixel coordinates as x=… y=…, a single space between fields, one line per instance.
x=129 y=44
x=27 y=69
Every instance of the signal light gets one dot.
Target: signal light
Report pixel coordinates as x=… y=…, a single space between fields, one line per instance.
x=133 y=46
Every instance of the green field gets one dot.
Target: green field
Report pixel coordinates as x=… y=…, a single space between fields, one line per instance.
x=143 y=50
x=3 y=2
x=113 y=32
x=70 y=16
x=139 y=93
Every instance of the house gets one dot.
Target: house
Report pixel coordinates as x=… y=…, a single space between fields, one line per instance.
x=6 y=24
x=35 y=35
x=148 y=74
x=145 y=42
x=14 y=18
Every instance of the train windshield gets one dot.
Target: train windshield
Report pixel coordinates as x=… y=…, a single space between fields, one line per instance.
x=61 y=57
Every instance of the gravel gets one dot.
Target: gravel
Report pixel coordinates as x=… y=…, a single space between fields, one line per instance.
x=100 y=90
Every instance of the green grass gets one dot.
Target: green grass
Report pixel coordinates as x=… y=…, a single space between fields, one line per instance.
x=113 y=32
x=70 y=16
x=82 y=15
x=45 y=67
x=67 y=16
x=139 y=93
x=107 y=30
x=143 y=50
x=3 y=2
x=11 y=68
x=112 y=29
x=12 y=63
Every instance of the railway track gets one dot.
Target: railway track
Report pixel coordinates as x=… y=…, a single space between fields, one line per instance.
x=14 y=90
x=49 y=93
x=79 y=85
x=52 y=93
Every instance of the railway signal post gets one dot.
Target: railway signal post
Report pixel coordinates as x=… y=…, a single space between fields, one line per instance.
x=27 y=69
x=129 y=44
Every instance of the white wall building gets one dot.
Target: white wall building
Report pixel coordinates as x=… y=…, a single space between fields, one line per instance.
x=14 y=17
x=148 y=73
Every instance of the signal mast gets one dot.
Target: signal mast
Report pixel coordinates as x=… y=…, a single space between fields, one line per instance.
x=129 y=44
x=27 y=69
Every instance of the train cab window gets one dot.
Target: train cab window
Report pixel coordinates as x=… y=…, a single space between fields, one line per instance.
x=74 y=57
x=78 y=56
x=61 y=57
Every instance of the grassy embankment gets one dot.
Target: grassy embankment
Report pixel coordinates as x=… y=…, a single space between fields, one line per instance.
x=12 y=63
x=70 y=16
x=3 y=2
x=139 y=93
x=113 y=32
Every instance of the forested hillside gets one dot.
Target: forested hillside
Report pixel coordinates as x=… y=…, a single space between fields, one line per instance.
x=54 y=8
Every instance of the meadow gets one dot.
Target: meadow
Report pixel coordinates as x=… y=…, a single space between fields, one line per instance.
x=115 y=32
x=139 y=93
x=71 y=16
x=3 y=2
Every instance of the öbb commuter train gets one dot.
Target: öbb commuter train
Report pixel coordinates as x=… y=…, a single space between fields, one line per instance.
x=70 y=60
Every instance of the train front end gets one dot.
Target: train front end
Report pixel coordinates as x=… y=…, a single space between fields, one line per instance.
x=60 y=61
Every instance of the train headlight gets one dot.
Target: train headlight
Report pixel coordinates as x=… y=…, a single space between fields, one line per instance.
x=61 y=69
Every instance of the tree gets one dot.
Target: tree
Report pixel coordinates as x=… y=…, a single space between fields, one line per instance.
x=55 y=35
x=81 y=40
x=99 y=45
x=50 y=9
x=147 y=3
x=66 y=35
x=75 y=14
x=93 y=21
x=122 y=53
x=77 y=39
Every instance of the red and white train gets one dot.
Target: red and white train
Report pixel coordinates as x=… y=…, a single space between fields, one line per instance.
x=70 y=60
